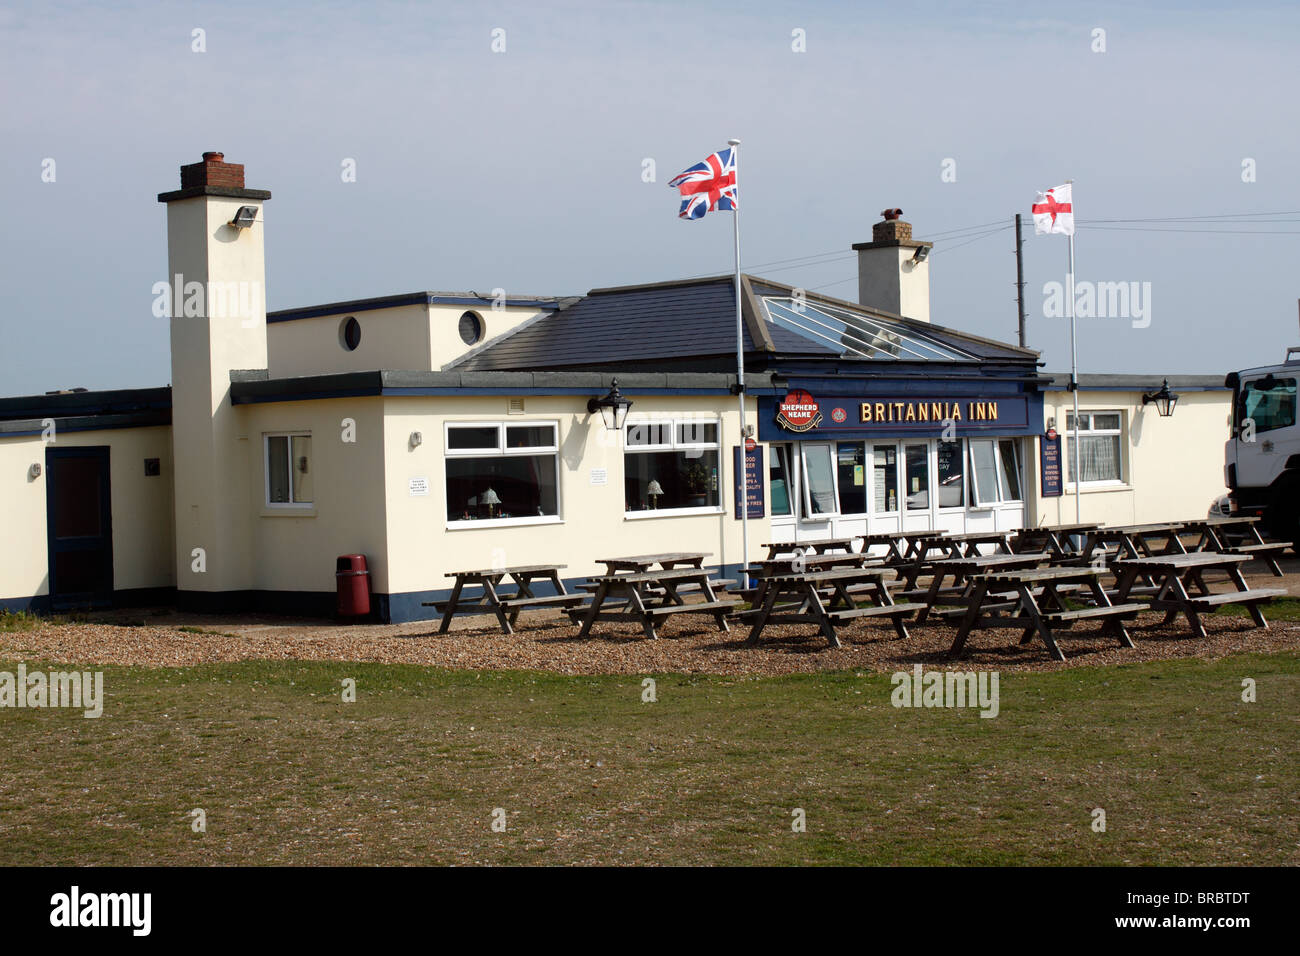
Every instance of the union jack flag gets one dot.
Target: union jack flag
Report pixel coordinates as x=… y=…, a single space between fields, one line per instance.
x=708 y=185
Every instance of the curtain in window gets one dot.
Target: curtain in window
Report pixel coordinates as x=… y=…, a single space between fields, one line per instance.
x=1098 y=458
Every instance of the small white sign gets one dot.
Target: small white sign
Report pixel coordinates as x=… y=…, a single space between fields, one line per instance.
x=419 y=487
x=599 y=476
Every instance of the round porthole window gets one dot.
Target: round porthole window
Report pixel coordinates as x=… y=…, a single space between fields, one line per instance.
x=350 y=333
x=471 y=328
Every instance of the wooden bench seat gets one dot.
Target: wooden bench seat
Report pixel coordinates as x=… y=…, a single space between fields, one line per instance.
x=691 y=608
x=1253 y=596
x=1090 y=613
x=885 y=610
x=553 y=599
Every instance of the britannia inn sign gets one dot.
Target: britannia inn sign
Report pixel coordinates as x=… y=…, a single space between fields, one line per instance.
x=407 y=435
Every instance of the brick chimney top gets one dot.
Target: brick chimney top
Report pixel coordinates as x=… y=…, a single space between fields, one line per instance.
x=213 y=171
x=891 y=227
x=213 y=177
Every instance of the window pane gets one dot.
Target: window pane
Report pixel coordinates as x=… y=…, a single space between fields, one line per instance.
x=530 y=436
x=918 y=477
x=277 y=469
x=645 y=434
x=851 y=456
x=1098 y=458
x=819 y=473
x=778 y=480
x=697 y=433
x=952 y=475
x=302 y=472
x=884 y=481
x=1274 y=408
x=522 y=486
x=1010 y=469
x=1084 y=421
x=481 y=437
x=1107 y=420
x=661 y=480
x=985 y=470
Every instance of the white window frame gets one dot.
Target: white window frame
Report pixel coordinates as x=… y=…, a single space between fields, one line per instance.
x=289 y=505
x=804 y=447
x=977 y=501
x=1091 y=432
x=784 y=452
x=898 y=487
x=674 y=444
x=501 y=451
x=964 y=458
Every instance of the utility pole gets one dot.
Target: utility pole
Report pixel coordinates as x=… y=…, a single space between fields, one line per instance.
x=1020 y=279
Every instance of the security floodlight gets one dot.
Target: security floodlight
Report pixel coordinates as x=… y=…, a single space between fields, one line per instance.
x=245 y=217
x=922 y=253
x=613 y=407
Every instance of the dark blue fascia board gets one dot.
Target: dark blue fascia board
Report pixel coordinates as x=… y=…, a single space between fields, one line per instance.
x=473 y=390
x=396 y=301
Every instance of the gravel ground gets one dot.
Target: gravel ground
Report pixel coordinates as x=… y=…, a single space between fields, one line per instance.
x=689 y=644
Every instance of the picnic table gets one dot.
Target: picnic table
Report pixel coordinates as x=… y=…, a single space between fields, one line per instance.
x=971 y=540
x=644 y=562
x=961 y=570
x=1173 y=573
x=1034 y=599
x=507 y=607
x=648 y=597
x=822 y=546
x=894 y=541
x=1136 y=540
x=921 y=543
x=1054 y=538
x=1218 y=534
x=803 y=602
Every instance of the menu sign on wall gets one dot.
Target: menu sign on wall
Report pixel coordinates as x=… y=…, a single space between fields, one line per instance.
x=1050 y=465
x=752 y=493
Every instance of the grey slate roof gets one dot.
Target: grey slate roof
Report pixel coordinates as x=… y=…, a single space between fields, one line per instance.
x=640 y=324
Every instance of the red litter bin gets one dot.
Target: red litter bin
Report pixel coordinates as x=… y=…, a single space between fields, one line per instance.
x=353 y=581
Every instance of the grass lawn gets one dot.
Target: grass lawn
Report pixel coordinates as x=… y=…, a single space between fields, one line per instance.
x=585 y=772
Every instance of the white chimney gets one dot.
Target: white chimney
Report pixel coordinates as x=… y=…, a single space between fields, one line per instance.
x=217 y=270
x=894 y=269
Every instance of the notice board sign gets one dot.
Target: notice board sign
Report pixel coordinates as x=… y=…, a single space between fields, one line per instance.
x=1050 y=465
x=752 y=491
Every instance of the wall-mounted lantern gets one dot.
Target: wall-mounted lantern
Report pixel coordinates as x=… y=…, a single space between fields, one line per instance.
x=613 y=407
x=1165 y=400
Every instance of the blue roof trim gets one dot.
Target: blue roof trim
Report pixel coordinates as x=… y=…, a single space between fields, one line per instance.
x=397 y=301
x=587 y=392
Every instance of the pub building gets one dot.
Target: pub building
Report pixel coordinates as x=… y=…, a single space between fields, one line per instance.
x=435 y=432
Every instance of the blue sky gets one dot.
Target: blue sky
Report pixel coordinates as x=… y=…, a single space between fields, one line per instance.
x=522 y=170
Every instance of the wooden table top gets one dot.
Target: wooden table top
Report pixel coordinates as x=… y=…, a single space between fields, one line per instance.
x=993 y=561
x=835 y=574
x=656 y=558
x=1219 y=522
x=1144 y=528
x=520 y=569
x=640 y=577
x=822 y=543
x=1197 y=559
x=1041 y=529
x=981 y=537
x=1031 y=575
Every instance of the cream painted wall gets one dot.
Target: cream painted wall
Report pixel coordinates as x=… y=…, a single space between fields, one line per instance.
x=143 y=543
x=408 y=338
x=444 y=328
x=295 y=550
x=396 y=338
x=888 y=279
x=1173 y=467
x=421 y=549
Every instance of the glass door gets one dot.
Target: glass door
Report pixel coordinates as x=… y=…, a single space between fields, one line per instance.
x=917 y=498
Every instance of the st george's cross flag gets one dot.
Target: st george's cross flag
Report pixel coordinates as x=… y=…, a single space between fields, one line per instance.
x=1054 y=211
x=708 y=186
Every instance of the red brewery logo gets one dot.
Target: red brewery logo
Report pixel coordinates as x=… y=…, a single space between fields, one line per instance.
x=798 y=412
x=839 y=415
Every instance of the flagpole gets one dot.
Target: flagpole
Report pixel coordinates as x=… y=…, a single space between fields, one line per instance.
x=743 y=478
x=1074 y=371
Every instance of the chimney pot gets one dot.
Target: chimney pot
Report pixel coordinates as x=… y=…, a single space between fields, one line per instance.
x=213 y=157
